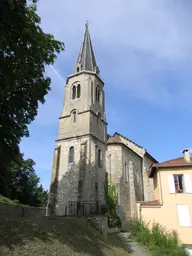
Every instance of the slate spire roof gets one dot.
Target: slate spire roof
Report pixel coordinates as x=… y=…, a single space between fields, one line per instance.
x=86 y=58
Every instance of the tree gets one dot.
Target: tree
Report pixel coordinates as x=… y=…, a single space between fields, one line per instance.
x=112 y=199
x=25 y=50
x=24 y=185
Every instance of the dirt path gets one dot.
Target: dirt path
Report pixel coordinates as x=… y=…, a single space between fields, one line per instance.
x=132 y=248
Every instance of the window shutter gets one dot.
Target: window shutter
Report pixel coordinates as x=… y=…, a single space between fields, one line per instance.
x=187 y=183
x=171 y=184
x=184 y=215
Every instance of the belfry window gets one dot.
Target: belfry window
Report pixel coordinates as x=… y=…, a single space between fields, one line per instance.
x=74 y=92
x=78 y=91
x=97 y=95
x=77 y=69
x=71 y=155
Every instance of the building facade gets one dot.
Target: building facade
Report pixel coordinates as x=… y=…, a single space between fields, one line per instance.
x=79 y=170
x=84 y=152
x=127 y=164
x=172 y=205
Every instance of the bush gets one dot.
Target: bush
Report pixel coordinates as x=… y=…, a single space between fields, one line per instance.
x=4 y=199
x=114 y=221
x=157 y=240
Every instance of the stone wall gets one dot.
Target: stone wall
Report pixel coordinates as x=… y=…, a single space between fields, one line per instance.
x=133 y=146
x=82 y=180
x=100 y=223
x=114 y=162
x=124 y=169
x=149 y=194
x=10 y=211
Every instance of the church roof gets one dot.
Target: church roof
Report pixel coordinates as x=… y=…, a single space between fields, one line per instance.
x=86 y=58
x=116 y=138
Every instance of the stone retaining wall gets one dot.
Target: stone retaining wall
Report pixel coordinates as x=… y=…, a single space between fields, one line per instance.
x=11 y=211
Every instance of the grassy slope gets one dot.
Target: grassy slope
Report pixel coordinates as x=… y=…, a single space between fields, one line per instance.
x=6 y=200
x=71 y=237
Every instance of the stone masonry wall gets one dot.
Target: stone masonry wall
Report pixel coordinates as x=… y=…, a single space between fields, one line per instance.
x=114 y=162
x=77 y=182
x=11 y=211
x=149 y=194
x=125 y=168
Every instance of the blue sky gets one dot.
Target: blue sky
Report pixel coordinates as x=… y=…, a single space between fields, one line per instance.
x=144 y=52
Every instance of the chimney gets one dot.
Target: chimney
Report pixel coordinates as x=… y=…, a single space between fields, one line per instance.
x=186 y=155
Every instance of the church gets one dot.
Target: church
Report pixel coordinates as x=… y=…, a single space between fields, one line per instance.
x=86 y=157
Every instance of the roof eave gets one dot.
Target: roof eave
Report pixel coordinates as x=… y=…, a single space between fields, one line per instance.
x=85 y=72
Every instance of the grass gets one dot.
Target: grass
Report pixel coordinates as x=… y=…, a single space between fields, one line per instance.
x=4 y=199
x=66 y=236
x=158 y=241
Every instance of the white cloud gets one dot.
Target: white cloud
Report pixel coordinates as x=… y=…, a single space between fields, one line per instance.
x=143 y=38
x=136 y=42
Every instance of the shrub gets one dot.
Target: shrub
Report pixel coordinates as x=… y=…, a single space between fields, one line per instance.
x=114 y=221
x=4 y=199
x=157 y=240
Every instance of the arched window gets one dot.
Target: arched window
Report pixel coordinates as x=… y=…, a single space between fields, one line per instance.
x=71 y=155
x=98 y=118
x=98 y=97
x=99 y=157
x=73 y=92
x=77 y=69
x=74 y=116
x=97 y=94
x=78 y=91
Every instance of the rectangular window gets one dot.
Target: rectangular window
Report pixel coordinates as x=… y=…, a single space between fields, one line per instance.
x=184 y=215
x=179 y=183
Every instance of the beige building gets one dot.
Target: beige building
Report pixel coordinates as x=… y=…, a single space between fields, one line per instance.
x=172 y=206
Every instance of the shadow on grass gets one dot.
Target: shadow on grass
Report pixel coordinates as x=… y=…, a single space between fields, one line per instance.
x=56 y=237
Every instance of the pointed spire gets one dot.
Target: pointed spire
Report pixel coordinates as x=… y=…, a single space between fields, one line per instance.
x=86 y=58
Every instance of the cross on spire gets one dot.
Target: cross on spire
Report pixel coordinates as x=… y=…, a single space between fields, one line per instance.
x=86 y=23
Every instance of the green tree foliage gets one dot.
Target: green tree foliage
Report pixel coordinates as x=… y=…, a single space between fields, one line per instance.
x=112 y=199
x=25 y=50
x=23 y=184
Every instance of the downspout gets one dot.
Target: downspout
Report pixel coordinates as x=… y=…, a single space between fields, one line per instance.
x=160 y=188
x=110 y=169
x=143 y=189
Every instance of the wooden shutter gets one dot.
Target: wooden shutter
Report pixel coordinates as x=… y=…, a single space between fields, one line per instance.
x=184 y=215
x=171 y=184
x=187 y=183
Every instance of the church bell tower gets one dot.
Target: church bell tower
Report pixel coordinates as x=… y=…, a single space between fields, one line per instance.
x=79 y=171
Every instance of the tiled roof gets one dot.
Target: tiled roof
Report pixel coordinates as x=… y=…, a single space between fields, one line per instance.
x=177 y=162
x=155 y=202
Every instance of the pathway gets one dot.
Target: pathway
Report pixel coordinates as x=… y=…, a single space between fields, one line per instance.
x=130 y=246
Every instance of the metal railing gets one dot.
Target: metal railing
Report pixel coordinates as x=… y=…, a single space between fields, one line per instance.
x=84 y=208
